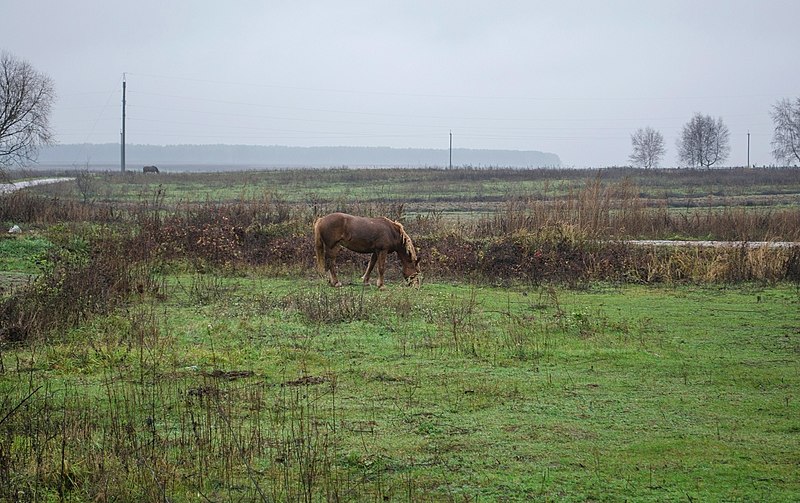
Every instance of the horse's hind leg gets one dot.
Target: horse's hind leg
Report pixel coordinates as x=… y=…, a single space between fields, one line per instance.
x=370 y=266
x=330 y=265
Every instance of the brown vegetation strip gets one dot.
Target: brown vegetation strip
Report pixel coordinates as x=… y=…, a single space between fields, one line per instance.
x=230 y=375
x=306 y=381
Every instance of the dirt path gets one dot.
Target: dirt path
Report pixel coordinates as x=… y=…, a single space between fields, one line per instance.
x=715 y=244
x=11 y=187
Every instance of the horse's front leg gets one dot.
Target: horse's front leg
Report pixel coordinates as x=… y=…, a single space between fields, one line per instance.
x=381 y=267
x=370 y=266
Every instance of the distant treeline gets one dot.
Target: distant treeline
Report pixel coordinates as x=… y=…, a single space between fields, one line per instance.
x=282 y=156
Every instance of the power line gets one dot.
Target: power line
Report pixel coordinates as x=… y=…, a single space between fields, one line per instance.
x=360 y=92
x=417 y=116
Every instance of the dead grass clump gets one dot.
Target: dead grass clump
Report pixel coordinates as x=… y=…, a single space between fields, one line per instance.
x=23 y=206
x=327 y=305
x=700 y=264
x=555 y=256
x=607 y=207
x=594 y=208
x=737 y=224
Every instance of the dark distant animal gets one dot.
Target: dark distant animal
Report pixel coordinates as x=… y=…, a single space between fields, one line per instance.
x=150 y=169
x=378 y=236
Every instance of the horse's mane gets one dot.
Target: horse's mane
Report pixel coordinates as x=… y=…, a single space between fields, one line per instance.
x=409 y=245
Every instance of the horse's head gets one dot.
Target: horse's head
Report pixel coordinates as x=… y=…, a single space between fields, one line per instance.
x=411 y=272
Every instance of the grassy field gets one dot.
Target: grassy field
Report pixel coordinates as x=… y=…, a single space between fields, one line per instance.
x=437 y=189
x=178 y=345
x=258 y=388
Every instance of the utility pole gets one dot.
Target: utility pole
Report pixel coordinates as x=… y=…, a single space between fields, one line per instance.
x=122 y=141
x=748 y=149
x=451 y=150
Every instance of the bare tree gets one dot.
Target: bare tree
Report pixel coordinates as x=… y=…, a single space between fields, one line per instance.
x=786 y=138
x=26 y=98
x=85 y=183
x=648 y=148
x=704 y=141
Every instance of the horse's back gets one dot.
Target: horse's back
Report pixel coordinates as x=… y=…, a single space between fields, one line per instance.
x=361 y=234
x=347 y=223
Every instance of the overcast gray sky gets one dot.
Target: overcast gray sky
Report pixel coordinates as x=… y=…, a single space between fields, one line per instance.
x=575 y=78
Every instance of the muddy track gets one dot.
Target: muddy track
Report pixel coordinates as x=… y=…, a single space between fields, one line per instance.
x=714 y=244
x=11 y=187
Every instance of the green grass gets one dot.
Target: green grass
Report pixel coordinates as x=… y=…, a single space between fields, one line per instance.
x=236 y=387
x=430 y=186
x=18 y=260
x=19 y=254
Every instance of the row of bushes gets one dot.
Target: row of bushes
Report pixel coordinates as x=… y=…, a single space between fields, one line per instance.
x=108 y=253
x=579 y=239
x=553 y=253
x=94 y=273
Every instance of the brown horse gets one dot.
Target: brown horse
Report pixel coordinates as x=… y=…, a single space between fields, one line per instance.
x=378 y=236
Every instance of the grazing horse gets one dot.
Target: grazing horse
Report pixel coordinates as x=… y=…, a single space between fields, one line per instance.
x=150 y=169
x=378 y=236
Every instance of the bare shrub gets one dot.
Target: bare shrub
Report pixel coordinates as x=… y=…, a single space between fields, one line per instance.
x=78 y=281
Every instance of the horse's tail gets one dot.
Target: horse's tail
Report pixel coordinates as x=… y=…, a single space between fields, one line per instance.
x=319 y=247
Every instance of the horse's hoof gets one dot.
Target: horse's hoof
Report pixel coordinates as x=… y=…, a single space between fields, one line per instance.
x=338 y=284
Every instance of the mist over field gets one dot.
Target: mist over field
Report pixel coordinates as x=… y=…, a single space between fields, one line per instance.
x=285 y=156
x=573 y=78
